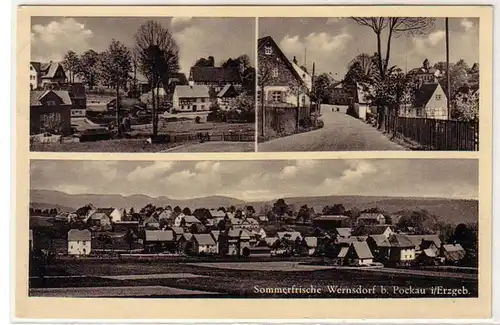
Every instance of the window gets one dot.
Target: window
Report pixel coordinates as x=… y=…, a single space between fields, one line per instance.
x=203 y=100
x=258 y=96
x=268 y=50
x=31 y=67
x=438 y=97
x=277 y=96
x=51 y=103
x=275 y=73
x=202 y=107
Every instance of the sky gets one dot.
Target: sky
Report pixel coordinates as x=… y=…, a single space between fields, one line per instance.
x=333 y=42
x=256 y=180
x=222 y=38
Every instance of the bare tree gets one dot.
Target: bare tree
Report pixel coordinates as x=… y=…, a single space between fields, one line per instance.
x=70 y=63
x=157 y=56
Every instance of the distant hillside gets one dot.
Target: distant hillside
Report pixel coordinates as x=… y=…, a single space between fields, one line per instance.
x=45 y=206
x=452 y=211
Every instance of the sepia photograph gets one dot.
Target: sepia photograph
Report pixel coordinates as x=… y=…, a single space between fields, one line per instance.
x=345 y=228
x=381 y=83
x=142 y=84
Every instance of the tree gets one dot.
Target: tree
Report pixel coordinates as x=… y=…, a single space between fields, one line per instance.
x=87 y=68
x=186 y=211
x=114 y=69
x=205 y=62
x=70 y=63
x=130 y=238
x=222 y=209
x=322 y=87
x=157 y=56
x=280 y=208
x=421 y=220
x=250 y=211
x=465 y=105
x=177 y=209
x=304 y=213
x=394 y=27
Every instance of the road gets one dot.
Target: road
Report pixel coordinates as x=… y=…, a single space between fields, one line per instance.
x=341 y=132
x=215 y=146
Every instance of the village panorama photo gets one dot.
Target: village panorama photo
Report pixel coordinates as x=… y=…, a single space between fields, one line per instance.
x=142 y=84
x=376 y=228
x=380 y=83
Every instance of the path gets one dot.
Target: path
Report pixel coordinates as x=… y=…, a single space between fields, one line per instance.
x=341 y=132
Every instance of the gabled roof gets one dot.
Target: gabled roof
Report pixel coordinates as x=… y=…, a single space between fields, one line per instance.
x=373 y=229
x=425 y=93
x=214 y=74
x=398 y=240
x=52 y=70
x=178 y=230
x=429 y=252
x=36 y=65
x=378 y=239
x=452 y=247
x=179 y=78
x=99 y=216
x=204 y=239
x=332 y=218
x=304 y=76
x=187 y=235
x=343 y=252
x=76 y=234
x=159 y=235
x=291 y=235
x=361 y=250
x=106 y=211
x=271 y=241
x=417 y=240
x=191 y=219
x=217 y=214
x=215 y=234
x=37 y=95
x=311 y=242
x=150 y=219
x=228 y=91
x=194 y=91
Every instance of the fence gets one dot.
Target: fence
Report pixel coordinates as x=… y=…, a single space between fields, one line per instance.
x=248 y=136
x=436 y=134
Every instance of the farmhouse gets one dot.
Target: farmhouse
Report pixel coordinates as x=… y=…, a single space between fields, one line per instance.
x=367 y=230
x=50 y=111
x=215 y=77
x=398 y=248
x=42 y=74
x=340 y=258
x=425 y=73
x=311 y=245
x=124 y=226
x=226 y=97
x=359 y=254
x=151 y=223
x=422 y=242
x=452 y=253
x=191 y=98
x=342 y=232
x=159 y=241
x=79 y=242
x=234 y=241
x=183 y=242
x=430 y=102
x=371 y=219
x=204 y=244
x=286 y=85
x=99 y=219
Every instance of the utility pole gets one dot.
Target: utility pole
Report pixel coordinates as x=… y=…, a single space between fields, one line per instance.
x=313 y=90
x=448 y=77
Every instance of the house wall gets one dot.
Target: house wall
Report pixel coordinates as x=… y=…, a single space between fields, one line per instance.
x=436 y=108
x=361 y=110
x=79 y=247
x=116 y=215
x=49 y=114
x=78 y=112
x=199 y=104
x=360 y=261
x=271 y=96
x=207 y=249
x=33 y=78
x=407 y=254
x=226 y=103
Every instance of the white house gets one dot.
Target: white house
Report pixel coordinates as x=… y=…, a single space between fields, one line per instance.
x=79 y=242
x=178 y=220
x=204 y=244
x=362 y=101
x=430 y=101
x=191 y=98
x=226 y=97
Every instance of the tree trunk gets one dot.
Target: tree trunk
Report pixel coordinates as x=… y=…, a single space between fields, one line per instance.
x=153 y=110
x=388 y=50
x=379 y=58
x=382 y=111
x=263 y=113
x=157 y=105
x=298 y=113
x=118 y=109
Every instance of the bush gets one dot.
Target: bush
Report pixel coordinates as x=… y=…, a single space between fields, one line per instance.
x=306 y=122
x=216 y=115
x=319 y=124
x=197 y=120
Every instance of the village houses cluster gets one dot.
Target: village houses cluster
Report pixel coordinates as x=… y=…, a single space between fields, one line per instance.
x=371 y=241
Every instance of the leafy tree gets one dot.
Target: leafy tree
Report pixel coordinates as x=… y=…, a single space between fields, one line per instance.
x=114 y=69
x=361 y=69
x=205 y=62
x=186 y=211
x=305 y=213
x=250 y=211
x=202 y=214
x=232 y=209
x=465 y=106
x=70 y=63
x=421 y=220
x=177 y=209
x=130 y=238
x=88 y=68
x=280 y=208
x=222 y=209
x=157 y=58
x=322 y=88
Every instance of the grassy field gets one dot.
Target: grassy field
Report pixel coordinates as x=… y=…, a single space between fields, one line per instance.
x=242 y=282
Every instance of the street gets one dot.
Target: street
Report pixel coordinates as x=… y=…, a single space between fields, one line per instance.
x=341 y=132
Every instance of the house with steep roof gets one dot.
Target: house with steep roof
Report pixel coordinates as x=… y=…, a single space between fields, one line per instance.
x=452 y=253
x=79 y=242
x=310 y=244
x=203 y=244
x=50 y=111
x=151 y=222
x=215 y=77
x=330 y=222
x=398 y=248
x=159 y=241
x=359 y=254
x=422 y=242
x=430 y=101
x=226 y=97
x=285 y=84
x=343 y=232
x=42 y=74
x=100 y=220
x=191 y=98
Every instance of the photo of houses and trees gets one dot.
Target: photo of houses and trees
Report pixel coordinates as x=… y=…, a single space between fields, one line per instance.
x=111 y=84
x=381 y=83
x=254 y=229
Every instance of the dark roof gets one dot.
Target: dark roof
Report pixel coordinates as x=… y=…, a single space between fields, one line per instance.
x=228 y=91
x=75 y=234
x=372 y=229
x=362 y=250
x=398 y=240
x=424 y=94
x=332 y=218
x=37 y=95
x=179 y=78
x=159 y=235
x=344 y=232
x=204 y=239
x=453 y=252
x=106 y=211
x=378 y=239
x=214 y=74
x=36 y=65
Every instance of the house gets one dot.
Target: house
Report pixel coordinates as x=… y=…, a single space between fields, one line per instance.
x=191 y=98
x=245 y=223
x=183 y=242
x=363 y=100
x=190 y=220
x=428 y=257
x=178 y=221
x=42 y=74
x=217 y=213
x=311 y=245
x=340 y=257
x=398 y=248
x=367 y=230
x=79 y=242
x=215 y=235
x=261 y=249
x=422 y=242
x=203 y=244
x=374 y=242
x=165 y=215
x=99 y=219
x=425 y=74
x=371 y=219
x=342 y=232
x=303 y=74
x=114 y=214
x=359 y=254
x=234 y=242
x=215 y=77
x=50 y=111
x=159 y=241
x=124 y=226
x=452 y=253
x=339 y=95
x=151 y=223
x=178 y=232
x=226 y=97
x=289 y=235
x=282 y=77
x=430 y=101
x=330 y=222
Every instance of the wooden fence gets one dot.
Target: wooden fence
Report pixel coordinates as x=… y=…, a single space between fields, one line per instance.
x=435 y=134
x=247 y=136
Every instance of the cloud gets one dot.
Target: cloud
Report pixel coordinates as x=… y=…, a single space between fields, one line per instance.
x=466 y=24
x=176 y=21
x=107 y=170
x=357 y=170
x=150 y=172
x=53 y=40
x=334 y=20
x=207 y=166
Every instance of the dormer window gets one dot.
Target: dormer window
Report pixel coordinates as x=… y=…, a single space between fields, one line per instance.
x=51 y=103
x=275 y=73
x=268 y=50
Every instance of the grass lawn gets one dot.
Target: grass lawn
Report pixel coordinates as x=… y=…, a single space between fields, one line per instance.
x=192 y=127
x=115 y=145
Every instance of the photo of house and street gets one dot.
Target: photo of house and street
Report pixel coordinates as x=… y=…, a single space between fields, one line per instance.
x=386 y=228
x=381 y=83
x=142 y=84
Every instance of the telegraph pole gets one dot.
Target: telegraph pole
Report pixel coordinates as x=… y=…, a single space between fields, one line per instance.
x=448 y=77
